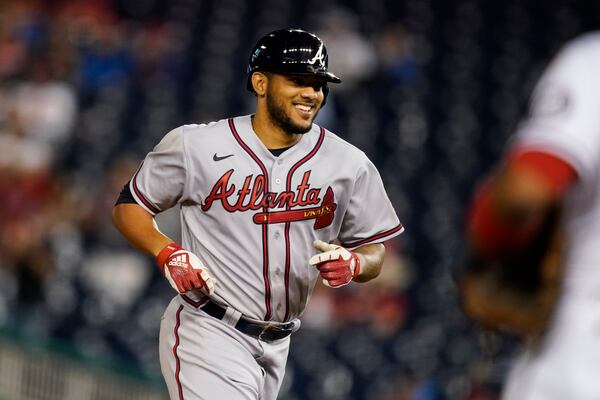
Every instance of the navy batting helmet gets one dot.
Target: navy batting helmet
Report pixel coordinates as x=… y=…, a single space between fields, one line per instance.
x=290 y=51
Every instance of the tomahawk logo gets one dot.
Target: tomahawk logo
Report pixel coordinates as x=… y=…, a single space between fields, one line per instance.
x=320 y=57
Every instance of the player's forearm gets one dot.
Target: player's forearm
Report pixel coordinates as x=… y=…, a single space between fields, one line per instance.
x=520 y=197
x=139 y=228
x=371 y=260
x=528 y=186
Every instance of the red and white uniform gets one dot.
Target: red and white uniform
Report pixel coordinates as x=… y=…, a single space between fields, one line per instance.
x=251 y=218
x=565 y=122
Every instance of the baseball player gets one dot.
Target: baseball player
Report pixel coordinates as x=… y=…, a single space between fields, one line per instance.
x=264 y=199
x=553 y=162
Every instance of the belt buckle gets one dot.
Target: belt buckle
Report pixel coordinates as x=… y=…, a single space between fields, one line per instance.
x=270 y=327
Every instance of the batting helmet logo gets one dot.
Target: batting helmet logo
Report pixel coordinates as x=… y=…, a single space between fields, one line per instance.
x=320 y=57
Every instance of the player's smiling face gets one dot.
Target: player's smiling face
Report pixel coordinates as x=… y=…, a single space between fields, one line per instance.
x=293 y=101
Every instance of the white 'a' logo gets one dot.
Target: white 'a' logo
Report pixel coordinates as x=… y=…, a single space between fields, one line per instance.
x=320 y=57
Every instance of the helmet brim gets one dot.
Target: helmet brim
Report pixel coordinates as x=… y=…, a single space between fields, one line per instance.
x=330 y=77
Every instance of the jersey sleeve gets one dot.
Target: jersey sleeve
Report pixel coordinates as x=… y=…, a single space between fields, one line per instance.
x=370 y=217
x=564 y=117
x=160 y=180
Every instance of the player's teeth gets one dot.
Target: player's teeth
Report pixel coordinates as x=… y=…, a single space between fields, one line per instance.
x=303 y=108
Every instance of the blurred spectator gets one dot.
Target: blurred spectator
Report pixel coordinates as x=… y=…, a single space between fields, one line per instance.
x=396 y=54
x=28 y=25
x=21 y=31
x=106 y=62
x=44 y=106
x=21 y=155
x=12 y=51
x=159 y=53
x=105 y=57
x=351 y=55
x=24 y=171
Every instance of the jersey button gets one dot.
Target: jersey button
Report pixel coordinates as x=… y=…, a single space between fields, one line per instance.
x=278 y=181
x=276 y=235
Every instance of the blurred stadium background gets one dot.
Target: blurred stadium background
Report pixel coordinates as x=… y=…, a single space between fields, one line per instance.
x=431 y=91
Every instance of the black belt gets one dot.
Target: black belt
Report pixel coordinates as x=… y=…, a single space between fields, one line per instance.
x=265 y=332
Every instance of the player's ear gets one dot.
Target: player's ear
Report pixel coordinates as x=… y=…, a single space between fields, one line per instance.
x=259 y=81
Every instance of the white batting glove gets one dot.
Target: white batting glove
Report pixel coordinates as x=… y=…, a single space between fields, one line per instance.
x=184 y=270
x=337 y=265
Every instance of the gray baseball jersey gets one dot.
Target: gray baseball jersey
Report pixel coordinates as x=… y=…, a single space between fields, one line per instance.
x=251 y=217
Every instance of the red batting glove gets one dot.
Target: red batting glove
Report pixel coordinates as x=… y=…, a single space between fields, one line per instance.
x=184 y=270
x=337 y=265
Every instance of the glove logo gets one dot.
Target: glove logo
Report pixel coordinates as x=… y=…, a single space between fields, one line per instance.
x=179 y=261
x=177 y=264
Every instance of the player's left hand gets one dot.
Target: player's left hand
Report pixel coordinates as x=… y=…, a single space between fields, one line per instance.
x=337 y=265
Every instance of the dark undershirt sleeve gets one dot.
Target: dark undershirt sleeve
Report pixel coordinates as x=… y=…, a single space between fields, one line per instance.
x=125 y=197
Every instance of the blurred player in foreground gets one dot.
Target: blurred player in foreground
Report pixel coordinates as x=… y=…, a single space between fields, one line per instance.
x=534 y=235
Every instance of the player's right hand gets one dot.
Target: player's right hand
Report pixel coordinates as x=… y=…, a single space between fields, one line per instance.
x=184 y=270
x=337 y=265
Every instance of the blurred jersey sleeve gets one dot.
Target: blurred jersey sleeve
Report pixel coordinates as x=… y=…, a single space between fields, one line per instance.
x=555 y=173
x=492 y=232
x=564 y=116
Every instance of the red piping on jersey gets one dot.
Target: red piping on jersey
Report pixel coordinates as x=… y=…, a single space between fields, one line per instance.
x=374 y=237
x=287 y=224
x=265 y=232
x=139 y=194
x=175 y=346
